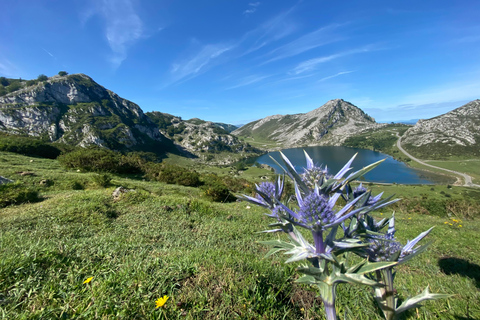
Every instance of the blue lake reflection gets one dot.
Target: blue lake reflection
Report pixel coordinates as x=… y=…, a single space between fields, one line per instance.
x=389 y=171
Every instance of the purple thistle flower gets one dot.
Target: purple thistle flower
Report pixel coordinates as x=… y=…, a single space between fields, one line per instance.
x=360 y=190
x=382 y=247
x=316 y=211
x=267 y=188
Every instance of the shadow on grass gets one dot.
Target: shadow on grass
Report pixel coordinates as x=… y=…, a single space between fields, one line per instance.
x=451 y=265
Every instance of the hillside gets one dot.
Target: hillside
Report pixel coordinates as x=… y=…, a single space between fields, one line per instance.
x=74 y=109
x=456 y=133
x=202 y=138
x=331 y=124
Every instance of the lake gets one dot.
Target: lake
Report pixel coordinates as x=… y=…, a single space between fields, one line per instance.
x=389 y=171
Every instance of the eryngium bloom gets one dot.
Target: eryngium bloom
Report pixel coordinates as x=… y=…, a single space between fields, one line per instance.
x=386 y=248
x=316 y=211
x=313 y=175
x=381 y=248
x=358 y=191
x=267 y=188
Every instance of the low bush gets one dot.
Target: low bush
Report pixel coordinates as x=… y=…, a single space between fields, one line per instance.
x=172 y=174
x=102 y=180
x=29 y=146
x=16 y=193
x=216 y=190
x=102 y=160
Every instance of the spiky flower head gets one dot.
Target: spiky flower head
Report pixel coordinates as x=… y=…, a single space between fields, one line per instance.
x=313 y=175
x=267 y=188
x=360 y=190
x=383 y=247
x=316 y=211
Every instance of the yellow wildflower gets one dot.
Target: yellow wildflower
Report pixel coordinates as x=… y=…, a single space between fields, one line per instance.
x=161 y=301
x=88 y=280
x=446 y=222
x=460 y=226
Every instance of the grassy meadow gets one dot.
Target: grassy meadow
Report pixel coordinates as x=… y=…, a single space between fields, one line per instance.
x=166 y=239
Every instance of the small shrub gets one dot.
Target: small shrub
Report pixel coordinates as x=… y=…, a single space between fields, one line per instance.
x=216 y=190
x=102 y=180
x=28 y=146
x=172 y=174
x=135 y=197
x=102 y=160
x=42 y=77
x=75 y=185
x=16 y=193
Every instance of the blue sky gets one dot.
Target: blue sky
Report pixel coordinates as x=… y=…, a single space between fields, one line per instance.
x=236 y=61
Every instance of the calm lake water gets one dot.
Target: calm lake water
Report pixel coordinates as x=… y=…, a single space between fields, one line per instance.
x=389 y=171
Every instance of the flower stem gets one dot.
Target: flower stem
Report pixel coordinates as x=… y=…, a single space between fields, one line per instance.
x=385 y=296
x=328 y=298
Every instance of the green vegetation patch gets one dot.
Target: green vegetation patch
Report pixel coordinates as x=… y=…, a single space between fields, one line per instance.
x=166 y=239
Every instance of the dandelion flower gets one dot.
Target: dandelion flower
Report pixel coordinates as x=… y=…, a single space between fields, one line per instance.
x=161 y=301
x=460 y=226
x=88 y=280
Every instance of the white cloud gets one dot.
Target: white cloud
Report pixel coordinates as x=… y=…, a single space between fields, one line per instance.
x=199 y=62
x=272 y=30
x=252 y=8
x=123 y=26
x=8 y=69
x=311 y=64
x=307 y=42
x=335 y=75
x=248 y=81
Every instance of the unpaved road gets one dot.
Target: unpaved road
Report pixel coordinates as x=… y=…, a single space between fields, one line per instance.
x=466 y=177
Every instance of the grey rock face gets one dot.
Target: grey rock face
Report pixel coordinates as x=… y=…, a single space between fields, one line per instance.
x=74 y=109
x=458 y=127
x=331 y=124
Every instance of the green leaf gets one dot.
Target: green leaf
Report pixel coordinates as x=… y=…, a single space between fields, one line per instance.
x=417 y=251
x=361 y=172
x=415 y=301
x=367 y=267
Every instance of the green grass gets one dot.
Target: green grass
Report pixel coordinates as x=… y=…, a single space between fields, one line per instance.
x=469 y=166
x=170 y=240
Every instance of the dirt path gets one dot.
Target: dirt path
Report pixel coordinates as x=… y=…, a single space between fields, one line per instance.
x=466 y=177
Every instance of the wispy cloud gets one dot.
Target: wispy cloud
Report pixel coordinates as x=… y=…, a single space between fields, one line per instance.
x=272 y=30
x=248 y=81
x=307 y=42
x=123 y=26
x=199 y=62
x=51 y=55
x=8 y=69
x=335 y=75
x=252 y=7
x=311 y=64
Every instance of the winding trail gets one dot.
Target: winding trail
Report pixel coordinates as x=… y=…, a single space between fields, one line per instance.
x=466 y=177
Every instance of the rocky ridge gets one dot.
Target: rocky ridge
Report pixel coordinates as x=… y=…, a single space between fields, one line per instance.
x=330 y=124
x=76 y=110
x=457 y=131
x=199 y=136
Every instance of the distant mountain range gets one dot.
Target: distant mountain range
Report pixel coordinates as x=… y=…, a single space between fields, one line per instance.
x=76 y=110
x=330 y=124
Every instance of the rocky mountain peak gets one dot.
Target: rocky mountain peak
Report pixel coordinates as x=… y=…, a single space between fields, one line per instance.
x=329 y=124
x=457 y=131
x=74 y=109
